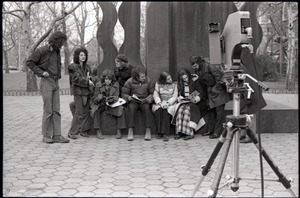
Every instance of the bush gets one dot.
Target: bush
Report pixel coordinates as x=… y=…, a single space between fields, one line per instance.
x=270 y=68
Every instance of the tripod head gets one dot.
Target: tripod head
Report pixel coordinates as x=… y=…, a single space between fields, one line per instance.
x=235 y=82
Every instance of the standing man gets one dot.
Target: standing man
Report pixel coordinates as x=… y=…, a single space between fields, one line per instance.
x=204 y=79
x=122 y=70
x=45 y=62
x=211 y=78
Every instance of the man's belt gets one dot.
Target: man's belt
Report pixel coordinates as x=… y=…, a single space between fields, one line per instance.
x=53 y=77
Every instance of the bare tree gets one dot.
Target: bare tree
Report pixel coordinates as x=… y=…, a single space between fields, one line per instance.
x=98 y=22
x=280 y=19
x=82 y=23
x=25 y=16
x=66 y=45
x=292 y=17
x=8 y=39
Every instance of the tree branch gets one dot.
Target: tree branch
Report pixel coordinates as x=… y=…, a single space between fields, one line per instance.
x=45 y=35
x=11 y=13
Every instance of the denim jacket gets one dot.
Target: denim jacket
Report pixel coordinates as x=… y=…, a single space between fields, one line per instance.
x=38 y=61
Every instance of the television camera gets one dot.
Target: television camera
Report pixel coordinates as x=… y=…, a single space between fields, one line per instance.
x=225 y=50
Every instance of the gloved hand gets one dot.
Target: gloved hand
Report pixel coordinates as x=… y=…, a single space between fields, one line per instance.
x=220 y=85
x=98 y=99
x=110 y=100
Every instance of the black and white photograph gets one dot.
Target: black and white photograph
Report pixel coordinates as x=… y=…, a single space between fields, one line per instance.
x=150 y=99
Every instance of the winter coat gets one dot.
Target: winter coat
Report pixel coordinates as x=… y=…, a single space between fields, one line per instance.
x=217 y=94
x=166 y=92
x=143 y=90
x=79 y=82
x=122 y=75
x=112 y=92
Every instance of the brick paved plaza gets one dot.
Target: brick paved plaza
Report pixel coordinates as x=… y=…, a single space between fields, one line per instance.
x=89 y=167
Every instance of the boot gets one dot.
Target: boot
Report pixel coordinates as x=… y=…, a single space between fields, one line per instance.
x=130 y=134
x=99 y=134
x=148 y=134
x=119 y=135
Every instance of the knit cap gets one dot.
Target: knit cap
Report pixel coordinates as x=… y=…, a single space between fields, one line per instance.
x=122 y=57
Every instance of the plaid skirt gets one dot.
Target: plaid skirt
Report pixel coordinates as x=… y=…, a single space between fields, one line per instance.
x=183 y=120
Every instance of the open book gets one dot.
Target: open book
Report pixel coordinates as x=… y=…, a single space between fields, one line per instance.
x=192 y=95
x=120 y=102
x=136 y=98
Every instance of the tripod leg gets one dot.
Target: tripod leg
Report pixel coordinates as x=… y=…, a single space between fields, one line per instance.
x=282 y=179
x=214 y=189
x=210 y=161
x=235 y=161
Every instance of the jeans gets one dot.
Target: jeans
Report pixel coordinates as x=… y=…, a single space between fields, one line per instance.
x=146 y=112
x=51 y=121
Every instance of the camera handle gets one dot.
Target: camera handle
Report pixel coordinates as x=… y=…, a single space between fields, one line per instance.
x=260 y=84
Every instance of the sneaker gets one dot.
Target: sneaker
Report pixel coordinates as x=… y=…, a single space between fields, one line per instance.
x=60 y=139
x=166 y=138
x=47 y=140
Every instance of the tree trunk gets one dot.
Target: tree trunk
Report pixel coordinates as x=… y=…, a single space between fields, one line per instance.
x=290 y=72
x=98 y=24
x=66 y=46
x=5 y=55
x=31 y=80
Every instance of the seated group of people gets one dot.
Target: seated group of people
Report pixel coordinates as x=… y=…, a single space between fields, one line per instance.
x=190 y=102
x=193 y=101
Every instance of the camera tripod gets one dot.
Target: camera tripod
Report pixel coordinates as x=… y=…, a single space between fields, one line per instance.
x=231 y=133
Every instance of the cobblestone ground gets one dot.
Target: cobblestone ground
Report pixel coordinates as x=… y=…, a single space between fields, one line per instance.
x=89 y=167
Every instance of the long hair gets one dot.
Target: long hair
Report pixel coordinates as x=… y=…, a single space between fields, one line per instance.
x=76 y=55
x=179 y=78
x=136 y=72
x=196 y=59
x=56 y=39
x=163 y=78
x=108 y=74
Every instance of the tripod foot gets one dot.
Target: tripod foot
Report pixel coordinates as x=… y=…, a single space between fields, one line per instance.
x=210 y=193
x=234 y=189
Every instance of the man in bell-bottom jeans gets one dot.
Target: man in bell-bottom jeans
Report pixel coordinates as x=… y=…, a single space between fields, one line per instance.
x=45 y=62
